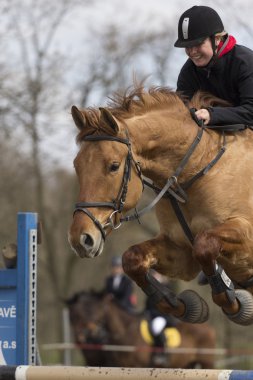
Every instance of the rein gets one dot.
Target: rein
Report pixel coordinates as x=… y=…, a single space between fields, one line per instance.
x=176 y=194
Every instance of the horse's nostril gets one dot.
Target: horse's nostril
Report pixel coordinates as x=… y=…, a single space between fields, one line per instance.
x=87 y=240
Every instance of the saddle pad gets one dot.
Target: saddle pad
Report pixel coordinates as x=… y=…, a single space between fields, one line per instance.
x=172 y=334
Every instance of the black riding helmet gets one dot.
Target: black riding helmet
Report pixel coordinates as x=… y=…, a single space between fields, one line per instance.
x=196 y=24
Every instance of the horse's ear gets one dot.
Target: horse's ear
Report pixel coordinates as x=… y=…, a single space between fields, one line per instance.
x=107 y=117
x=78 y=117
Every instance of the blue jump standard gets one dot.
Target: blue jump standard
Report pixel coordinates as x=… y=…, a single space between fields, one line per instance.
x=18 y=298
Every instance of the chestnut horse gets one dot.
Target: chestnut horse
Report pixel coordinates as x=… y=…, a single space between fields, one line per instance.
x=203 y=198
x=97 y=320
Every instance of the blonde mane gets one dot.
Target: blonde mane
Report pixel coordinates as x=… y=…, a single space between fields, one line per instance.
x=133 y=103
x=139 y=101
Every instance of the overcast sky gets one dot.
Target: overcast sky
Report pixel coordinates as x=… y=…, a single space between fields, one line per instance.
x=150 y=15
x=144 y=15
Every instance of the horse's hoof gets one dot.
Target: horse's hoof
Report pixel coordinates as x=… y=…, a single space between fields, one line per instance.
x=196 y=309
x=244 y=316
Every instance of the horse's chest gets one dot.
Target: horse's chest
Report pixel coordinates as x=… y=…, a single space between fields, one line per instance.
x=196 y=219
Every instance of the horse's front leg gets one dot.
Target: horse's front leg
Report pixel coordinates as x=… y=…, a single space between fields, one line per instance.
x=223 y=246
x=138 y=259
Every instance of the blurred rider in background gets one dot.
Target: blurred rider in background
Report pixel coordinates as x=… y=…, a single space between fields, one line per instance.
x=120 y=286
x=158 y=322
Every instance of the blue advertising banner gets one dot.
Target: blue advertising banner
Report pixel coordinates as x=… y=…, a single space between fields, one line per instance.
x=18 y=298
x=8 y=326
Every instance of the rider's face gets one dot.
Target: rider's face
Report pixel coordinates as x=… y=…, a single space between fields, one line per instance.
x=200 y=54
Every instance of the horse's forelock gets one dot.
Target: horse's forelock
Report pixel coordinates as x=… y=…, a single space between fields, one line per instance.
x=93 y=125
x=91 y=116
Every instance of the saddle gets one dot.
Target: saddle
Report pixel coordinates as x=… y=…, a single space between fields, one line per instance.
x=221 y=128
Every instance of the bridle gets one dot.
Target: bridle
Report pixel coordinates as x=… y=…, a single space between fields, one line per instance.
x=117 y=204
x=172 y=189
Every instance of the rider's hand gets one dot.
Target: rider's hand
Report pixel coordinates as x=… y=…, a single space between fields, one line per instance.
x=203 y=114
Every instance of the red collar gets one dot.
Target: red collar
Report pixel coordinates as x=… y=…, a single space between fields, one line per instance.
x=229 y=43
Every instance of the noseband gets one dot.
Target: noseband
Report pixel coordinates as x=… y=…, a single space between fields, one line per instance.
x=117 y=204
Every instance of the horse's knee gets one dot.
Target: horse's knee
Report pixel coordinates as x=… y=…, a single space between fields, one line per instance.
x=206 y=248
x=132 y=261
x=136 y=263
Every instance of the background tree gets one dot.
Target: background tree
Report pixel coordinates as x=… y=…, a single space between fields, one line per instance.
x=41 y=76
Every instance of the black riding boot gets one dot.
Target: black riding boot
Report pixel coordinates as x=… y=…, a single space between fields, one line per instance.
x=160 y=358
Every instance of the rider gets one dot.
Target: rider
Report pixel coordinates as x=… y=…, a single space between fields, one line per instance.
x=217 y=65
x=158 y=322
x=120 y=286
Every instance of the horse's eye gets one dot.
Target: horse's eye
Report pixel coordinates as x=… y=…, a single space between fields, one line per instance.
x=114 y=167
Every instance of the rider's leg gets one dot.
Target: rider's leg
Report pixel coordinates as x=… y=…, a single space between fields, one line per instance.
x=159 y=356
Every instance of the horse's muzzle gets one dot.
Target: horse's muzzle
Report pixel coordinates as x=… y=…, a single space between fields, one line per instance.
x=87 y=246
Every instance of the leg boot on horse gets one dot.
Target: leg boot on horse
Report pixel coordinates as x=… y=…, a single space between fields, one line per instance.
x=210 y=249
x=188 y=306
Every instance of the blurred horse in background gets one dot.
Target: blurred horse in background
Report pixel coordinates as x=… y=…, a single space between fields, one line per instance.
x=97 y=320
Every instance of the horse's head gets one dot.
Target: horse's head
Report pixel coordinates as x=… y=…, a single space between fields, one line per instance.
x=86 y=313
x=108 y=177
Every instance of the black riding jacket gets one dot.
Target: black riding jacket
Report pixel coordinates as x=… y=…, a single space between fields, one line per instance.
x=230 y=78
x=123 y=292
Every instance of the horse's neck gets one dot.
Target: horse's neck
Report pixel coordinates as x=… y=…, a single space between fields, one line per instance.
x=161 y=143
x=117 y=321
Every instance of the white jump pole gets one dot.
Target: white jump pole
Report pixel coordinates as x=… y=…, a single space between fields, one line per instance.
x=106 y=373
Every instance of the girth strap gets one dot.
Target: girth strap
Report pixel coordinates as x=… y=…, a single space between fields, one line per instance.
x=181 y=218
